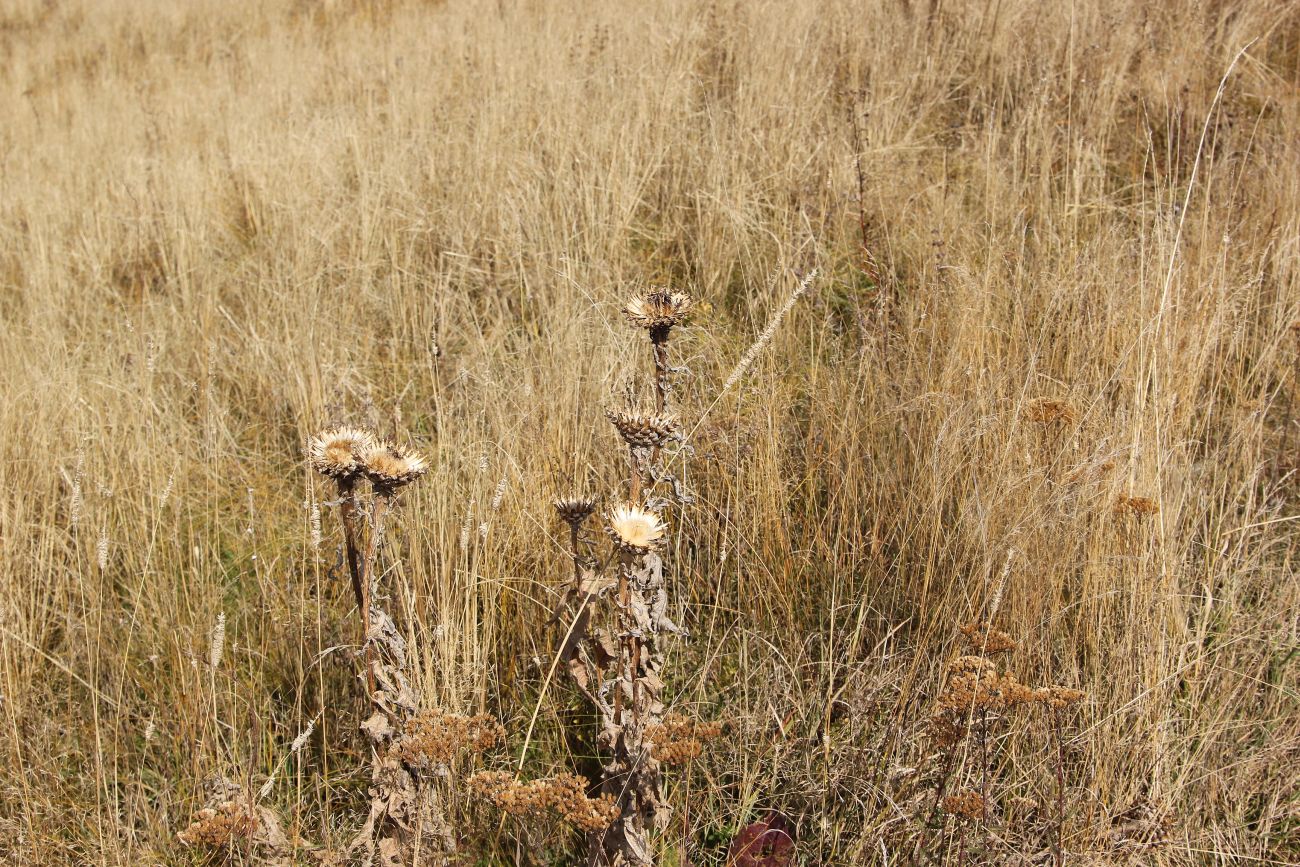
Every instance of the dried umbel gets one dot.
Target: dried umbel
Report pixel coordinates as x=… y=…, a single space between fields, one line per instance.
x=336 y=452
x=575 y=511
x=635 y=530
x=658 y=311
x=1143 y=507
x=983 y=638
x=563 y=795
x=389 y=465
x=678 y=739
x=967 y=804
x=644 y=431
x=1057 y=697
x=974 y=684
x=227 y=824
x=1048 y=411
x=434 y=738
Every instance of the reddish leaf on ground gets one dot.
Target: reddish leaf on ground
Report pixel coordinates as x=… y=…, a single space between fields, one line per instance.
x=768 y=842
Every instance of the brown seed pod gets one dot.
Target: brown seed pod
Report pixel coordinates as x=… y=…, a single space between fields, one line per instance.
x=644 y=431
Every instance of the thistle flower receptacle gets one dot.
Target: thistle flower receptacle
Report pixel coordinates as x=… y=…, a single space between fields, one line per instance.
x=635 y=530
x=336 y=452
x=390 y=466
x=644 y=431
x=575 y=511
x=657 y=311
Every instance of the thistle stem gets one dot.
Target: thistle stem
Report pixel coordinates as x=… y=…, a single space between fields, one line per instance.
x=348 y=516
x=367 y=573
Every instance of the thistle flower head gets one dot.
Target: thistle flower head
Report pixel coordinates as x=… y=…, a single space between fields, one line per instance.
x=336 y=452
x=658 y=310
x=575 y=511
x=389 y=465
x=635 y=530
x=644 y=431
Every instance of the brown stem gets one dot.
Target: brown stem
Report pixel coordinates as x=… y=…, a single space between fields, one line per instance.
x=636 y=476
x=984 y=771
x=348 y=515
x=577 y=555
x=1060 y=789
x=367 y=573
x=661 y=374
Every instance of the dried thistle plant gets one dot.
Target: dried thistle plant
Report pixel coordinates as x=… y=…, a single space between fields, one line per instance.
x=405 y=810
x=618 y=610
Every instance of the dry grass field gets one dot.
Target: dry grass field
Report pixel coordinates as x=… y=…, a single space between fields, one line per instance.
x=1043 y=375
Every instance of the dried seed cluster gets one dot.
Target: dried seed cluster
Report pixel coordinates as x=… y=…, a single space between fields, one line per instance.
x=678 y=739
x=435 y=738
x=975 y=688
x=1058 y=696
x=974 y=683
x=983 y=638
x=1047 y=411
x=221 y=826
x=563 y=795
x=1140 y=506
x=967 y=803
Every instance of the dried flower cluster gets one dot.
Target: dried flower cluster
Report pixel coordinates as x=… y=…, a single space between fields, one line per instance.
x=231 y=819
x=1048 y=411
x=1140 y=506
x=563 y=795
x=1058 y=696
x=678 y=739
x=967 y=804
x=226 y=824
x=975 y=700
x=982 y=638
x=974 y=684
x=433 y=738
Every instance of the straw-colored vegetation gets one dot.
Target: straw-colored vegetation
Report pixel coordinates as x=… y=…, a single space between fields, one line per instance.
x=1032 y=272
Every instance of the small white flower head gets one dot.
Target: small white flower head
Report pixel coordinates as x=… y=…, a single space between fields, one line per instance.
x=635 y=530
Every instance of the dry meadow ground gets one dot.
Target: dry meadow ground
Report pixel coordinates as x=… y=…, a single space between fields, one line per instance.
x=1045 y=374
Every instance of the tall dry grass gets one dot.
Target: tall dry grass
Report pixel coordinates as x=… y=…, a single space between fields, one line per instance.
x=222 y=224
